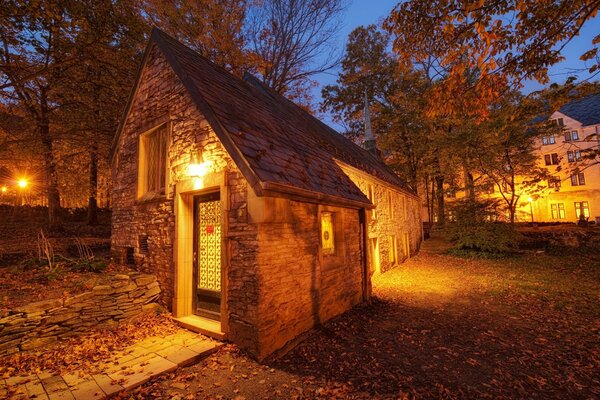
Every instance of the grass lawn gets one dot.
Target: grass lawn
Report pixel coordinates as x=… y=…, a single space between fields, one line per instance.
x=439 y=327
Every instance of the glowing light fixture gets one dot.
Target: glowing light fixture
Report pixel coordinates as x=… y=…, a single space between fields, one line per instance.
x=22 y=183
x=198 y=167
x=3 y=189
x=529 y=199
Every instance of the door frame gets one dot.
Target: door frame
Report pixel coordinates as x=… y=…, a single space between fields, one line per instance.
x=185 y=190
x=197 y=199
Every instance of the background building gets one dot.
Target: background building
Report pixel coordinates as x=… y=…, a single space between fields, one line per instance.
x=572 y=159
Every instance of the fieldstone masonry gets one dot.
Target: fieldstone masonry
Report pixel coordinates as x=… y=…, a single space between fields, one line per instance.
x=395 y=217
x=278 y=282
x=37 y=324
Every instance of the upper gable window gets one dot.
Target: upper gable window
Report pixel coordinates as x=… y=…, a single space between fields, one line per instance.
x=152 y=165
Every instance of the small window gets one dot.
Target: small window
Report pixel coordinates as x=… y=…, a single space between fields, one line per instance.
x=574 y=135
x=551 y=159
x=574 y=155
x=391 y=204
x=371 y=197
x=393 y=251
x=558 y=210
x=406 y=245
x=548 y=139
x=582 y=207
x=327 y=238
x=152 y=173
x=578 y=179
x=375 y=264
x=571 y=136
x=561 y=122
x=554 y=182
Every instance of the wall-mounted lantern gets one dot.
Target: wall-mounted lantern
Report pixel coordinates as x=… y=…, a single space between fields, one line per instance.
x=198 y=167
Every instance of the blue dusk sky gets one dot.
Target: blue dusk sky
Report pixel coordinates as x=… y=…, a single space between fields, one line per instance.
x=365 y=12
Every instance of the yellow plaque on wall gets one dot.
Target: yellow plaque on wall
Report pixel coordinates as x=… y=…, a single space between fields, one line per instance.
x=327 y=238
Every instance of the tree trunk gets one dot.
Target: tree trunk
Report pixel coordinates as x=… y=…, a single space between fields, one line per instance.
x=439 y=193
x=429 y=216
x=54 y=210
x=92 y=217
x=469 y=182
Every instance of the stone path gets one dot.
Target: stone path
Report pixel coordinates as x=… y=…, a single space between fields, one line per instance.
x=130 y=368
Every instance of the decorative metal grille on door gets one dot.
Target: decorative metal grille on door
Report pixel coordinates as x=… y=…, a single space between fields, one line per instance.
x=209 y=259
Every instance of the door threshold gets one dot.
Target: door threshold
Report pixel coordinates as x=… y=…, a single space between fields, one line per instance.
x=205 y=326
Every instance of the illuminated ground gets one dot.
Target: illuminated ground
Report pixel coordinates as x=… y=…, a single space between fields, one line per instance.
x=441 y=327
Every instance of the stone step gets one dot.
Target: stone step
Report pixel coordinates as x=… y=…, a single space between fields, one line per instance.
x=204 y=326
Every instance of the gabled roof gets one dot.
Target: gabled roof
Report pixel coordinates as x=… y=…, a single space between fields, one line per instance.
x=278 y=147
x=586 y=110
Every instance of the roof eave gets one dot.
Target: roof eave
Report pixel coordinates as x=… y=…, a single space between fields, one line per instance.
x=280 y=190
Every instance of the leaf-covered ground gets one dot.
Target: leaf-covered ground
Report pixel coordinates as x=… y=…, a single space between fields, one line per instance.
x=88 y=353
x=440 y=327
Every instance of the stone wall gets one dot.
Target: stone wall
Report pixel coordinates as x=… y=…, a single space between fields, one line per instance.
x=396 y=215
x=301 y=287
x=160 y=98
x=161 y=95
x=37 y=324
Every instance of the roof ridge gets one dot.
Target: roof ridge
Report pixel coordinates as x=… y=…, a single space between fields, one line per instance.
x=337 y=134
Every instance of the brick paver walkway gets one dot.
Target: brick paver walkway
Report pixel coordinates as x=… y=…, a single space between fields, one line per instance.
x=128 y=369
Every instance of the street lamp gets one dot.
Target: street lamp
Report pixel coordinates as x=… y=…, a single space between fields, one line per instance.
x=530 y=200
x=22 y=183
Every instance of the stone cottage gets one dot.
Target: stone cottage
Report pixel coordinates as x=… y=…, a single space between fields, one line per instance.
x=259 y=221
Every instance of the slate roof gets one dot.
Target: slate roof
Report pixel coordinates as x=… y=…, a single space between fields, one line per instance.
x=277 y=146
x=586 y=110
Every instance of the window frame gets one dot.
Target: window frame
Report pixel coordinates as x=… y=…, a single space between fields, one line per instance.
x=582 y=206
x=574 y=135
x=557 y=210
x=143 y=193
x=571 y=135
x=548 y=140
x=551 y=159
x=554 y=182
x=393 y=250
x=578 y=179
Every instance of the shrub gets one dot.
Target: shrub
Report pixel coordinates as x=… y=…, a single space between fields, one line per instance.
x=88 y=265
x=485 y=237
